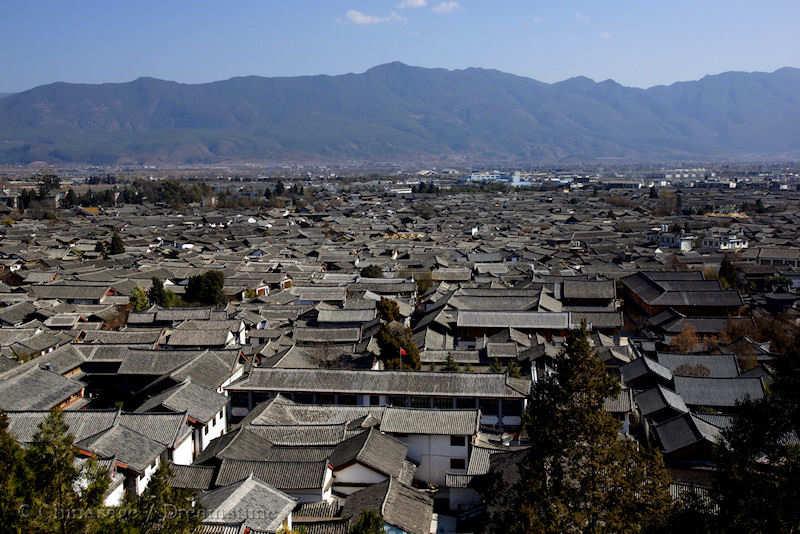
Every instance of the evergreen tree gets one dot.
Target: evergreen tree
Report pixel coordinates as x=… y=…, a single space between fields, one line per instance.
x=279 y=189
x=372 y=271
x=514 y=370
x=116 y=246
x=388 y=310
x=580 y=474
x=729 y=275
x=398 y=350
x=368 y=522
x=47 y=183
x=102 y=248
x=139 y=300
x=206 y=288
x=14 y=478
x=160 y=508
x=450 y=365
x=70 y=200
x=59 y=488
x=424 y=283
x=157 y=294
x=758 y=460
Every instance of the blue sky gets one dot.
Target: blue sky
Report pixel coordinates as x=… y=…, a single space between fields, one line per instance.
x=636 y=42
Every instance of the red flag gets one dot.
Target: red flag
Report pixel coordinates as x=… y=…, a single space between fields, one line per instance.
x=403 y=352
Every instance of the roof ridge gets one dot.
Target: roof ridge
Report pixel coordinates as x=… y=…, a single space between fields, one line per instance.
x=386 y=496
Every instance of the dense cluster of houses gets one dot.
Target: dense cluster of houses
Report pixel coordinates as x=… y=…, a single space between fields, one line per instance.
x=280 y=401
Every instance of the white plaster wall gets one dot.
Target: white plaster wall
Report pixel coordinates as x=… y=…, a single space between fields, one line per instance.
x=115 y=497
x=144 y=479
x=433 y=454
x=213 y=429
x=355 y=474
x=184 y=452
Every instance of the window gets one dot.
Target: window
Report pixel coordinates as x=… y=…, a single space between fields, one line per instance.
x=304 y=398
x=205 y=430
x=326 y=398
x=458 y=441
x=443 y=403
x=261 y=396
x=239 y=400
x=465 y=403
x=397 y=401
x=420 y=402
x=458 y=463
x=348 y=400
x=512 y=408
x=488 y=406
x=374 y=400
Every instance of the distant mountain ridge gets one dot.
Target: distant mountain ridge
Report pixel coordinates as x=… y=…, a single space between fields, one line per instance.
x=396 y=112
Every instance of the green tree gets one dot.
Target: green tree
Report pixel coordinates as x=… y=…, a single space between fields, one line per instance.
x=206 y=288
x=388 y=310
x=728 y=273
x=59 y=487
x=514 y=370
x=47 y=183
x=424 y=283
x=157 y=294
x=758 y=475
x=139 y=299
x=450 y=365
x=102 y=248
x=70 y=200
x=398 y=350
x=580 y=474
x=372 y=271
x=116 y=246
x=160 y=508
x=14 y=478
x=367 y=522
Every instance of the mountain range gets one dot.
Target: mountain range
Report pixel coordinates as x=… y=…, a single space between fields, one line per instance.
x=396 y=112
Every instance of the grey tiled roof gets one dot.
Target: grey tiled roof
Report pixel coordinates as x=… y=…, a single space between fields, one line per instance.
x=327 y=335
x=259 y=506
x=643 y=366
x=81 y=424
x=584 y=289
x=199 y=402
x=200 y=338
x=36 y=389
x=718 y=392
x=659 y=398
x=522 y=320
x=683 y=431
x=238 y=444
x=711 y=366
x=346 y=316
x=195 y=477
x=400 y=506
x=286 y=476
x=126 y=445
x=432 y=422
x=372 y=449
x=385 y=382
x=317 y=435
